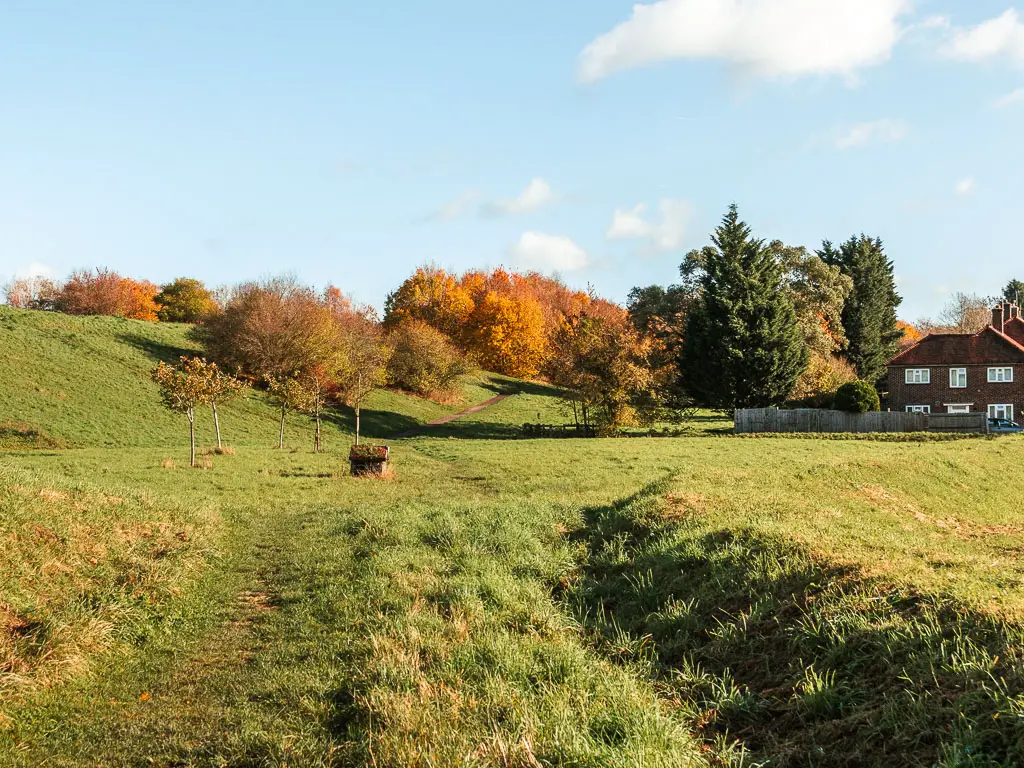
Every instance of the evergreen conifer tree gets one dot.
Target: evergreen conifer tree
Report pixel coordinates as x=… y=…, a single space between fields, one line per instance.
x=869 y=316
x=742 y=347
x=1014 y=291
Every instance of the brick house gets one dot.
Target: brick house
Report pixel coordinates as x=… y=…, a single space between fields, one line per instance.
x=962 y=372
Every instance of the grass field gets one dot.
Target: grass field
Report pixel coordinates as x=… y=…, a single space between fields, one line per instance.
x=700 y=600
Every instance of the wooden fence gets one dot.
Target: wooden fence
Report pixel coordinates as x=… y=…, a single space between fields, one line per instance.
x=815 y=420
x=558 y=430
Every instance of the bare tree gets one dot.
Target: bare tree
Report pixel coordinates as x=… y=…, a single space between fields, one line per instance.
x=963 y=313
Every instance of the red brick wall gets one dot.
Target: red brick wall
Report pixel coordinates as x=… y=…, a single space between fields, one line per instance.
x=938 y=393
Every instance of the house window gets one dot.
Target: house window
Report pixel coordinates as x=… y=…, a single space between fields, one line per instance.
x=959 y=408
x=958 y=378
x=1000 y=375
x=919 y=376
x=1000 y=412
x=919 y=409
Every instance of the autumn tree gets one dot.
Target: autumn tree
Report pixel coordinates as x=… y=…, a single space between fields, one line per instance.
x=185 y=300
x=660 y=314
x=221 y=388
x=432 y=296
x=505 y=334
x=270 y=329
x=603 y=365
x=743 y=347
x=183 y=388
x=105 y=292
x=365 y=367
x=314 y=387
x=286 y=392
x=911 y=335
x=424 y=361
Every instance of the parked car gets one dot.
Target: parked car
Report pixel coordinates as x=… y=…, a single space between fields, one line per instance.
x=1004 y=425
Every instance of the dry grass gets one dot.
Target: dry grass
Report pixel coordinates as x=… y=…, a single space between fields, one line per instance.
x=76 y=565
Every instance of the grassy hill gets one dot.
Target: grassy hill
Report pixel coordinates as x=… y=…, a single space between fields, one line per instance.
x=702 y=600
x=84 y=381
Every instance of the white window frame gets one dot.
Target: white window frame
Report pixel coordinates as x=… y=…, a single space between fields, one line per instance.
x=993 y=412
x=919 y=409
x=1006 y=372
x=958 y=407
x=955 y=376
x=918 y=376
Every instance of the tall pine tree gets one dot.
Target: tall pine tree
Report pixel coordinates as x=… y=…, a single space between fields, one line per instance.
x=742 y=347
x=869 y=316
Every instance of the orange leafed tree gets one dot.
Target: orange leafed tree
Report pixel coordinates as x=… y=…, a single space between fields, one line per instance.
x=506 y=334
x=910 y=334
x=433 y=296
x=104 y=292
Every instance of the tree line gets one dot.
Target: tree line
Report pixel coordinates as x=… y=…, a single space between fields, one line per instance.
x=755 y=323
x=750 y=323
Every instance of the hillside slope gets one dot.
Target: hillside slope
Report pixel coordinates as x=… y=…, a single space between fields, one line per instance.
x=84 y=381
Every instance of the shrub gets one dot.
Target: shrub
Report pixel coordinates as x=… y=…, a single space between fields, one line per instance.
x=104 y=292
x=816 y=387
x=185 y=301
x=424 y=361
x=857 y=397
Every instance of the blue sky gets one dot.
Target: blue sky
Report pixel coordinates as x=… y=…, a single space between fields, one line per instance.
x=351 y=142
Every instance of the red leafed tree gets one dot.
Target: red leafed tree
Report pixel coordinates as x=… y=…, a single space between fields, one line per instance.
x=105 y=292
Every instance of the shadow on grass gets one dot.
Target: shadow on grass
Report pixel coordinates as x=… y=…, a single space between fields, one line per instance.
x=501 y=387
x=373 y=425
x=466 y=429
x=162 y=353
x=804 y=663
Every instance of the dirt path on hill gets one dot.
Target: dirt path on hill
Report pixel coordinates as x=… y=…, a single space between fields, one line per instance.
x=449 y=418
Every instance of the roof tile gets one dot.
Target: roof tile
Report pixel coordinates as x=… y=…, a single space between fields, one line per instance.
x=986 y=346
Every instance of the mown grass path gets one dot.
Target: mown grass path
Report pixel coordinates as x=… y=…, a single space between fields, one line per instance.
x=449 y=418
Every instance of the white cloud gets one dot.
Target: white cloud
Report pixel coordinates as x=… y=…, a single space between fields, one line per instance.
x=664 y=235
x=878 y=132
x=1000 y=37
x=1010 y=99
x=459 y=206
x=536 y=195
x=36 y=270
x=536 y=250
x=936 y=22
x=766 y=38
x=965 y=187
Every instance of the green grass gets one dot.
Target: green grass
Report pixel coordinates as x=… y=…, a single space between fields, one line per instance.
x=83 y=381
x=500 y=602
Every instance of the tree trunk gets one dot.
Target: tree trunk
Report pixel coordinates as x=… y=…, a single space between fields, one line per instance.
x=316 y=438
x=216 y=423
x=359 y=390
x=280 y=438
x=191 y=437
x=575 y=416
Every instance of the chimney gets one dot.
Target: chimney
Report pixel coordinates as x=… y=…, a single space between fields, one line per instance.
x=1007 y=314
x=997 y=317
x=1014 y=311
